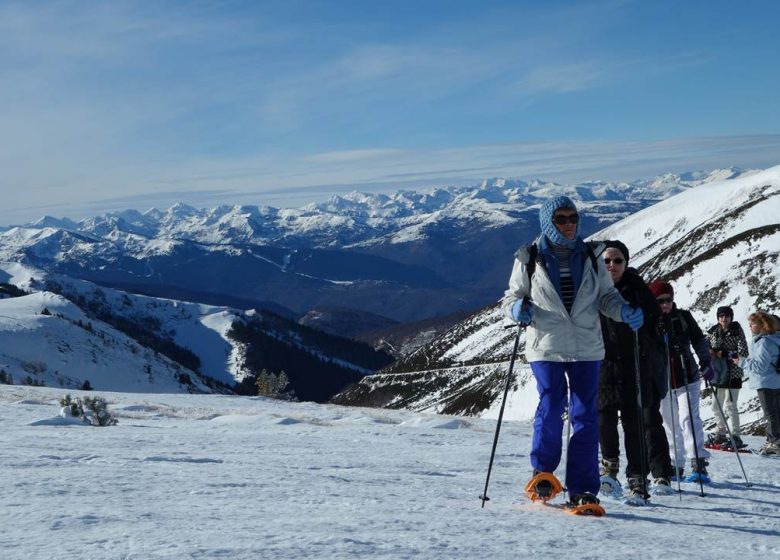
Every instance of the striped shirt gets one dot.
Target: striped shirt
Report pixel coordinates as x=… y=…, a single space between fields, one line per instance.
x=567 y=284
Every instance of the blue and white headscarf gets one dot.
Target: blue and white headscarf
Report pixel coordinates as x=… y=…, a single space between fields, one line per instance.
x=548 y=227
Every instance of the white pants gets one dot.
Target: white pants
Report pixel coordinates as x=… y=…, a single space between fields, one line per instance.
x=728 y=401
x=684 y=427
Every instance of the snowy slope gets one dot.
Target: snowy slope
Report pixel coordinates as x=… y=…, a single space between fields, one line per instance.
x=65 y=348
x=207 y=477
x=75 y=341
x=718 y=244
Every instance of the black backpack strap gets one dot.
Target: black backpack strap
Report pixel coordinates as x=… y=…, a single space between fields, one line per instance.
x=530 y=267
x=591 y=247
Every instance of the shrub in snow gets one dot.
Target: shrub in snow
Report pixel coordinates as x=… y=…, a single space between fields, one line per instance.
x=92 y=410
x=6 y=378
x=273 y=385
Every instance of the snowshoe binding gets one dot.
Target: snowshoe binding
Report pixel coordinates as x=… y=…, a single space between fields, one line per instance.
x=585 y=504
x=699 y=474
x=543 y=487
x=610 y=487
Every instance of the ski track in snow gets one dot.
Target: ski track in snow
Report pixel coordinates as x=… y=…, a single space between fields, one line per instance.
x=184 y=476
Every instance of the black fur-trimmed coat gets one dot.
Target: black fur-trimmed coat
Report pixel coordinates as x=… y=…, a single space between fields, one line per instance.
x=617 y=383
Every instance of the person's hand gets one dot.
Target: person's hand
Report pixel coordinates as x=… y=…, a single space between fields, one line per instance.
x=523 y=312
x=708 y=373
x=633 y=316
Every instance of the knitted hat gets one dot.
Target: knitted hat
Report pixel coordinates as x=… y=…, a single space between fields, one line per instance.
x=619 y=246
x=727 y=311
x=548 y=227
x=660 y=288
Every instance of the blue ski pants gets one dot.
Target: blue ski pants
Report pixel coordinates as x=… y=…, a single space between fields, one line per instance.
x=582 y=464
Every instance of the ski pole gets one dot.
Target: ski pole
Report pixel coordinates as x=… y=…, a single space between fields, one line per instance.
x=672 y=402
x=640 y=417
x=731 y=436
x=484 y=496
x=693 y=428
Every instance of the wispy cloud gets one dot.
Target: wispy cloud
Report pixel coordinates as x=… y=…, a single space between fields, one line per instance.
x=354 y=155
x=303 y=179
x=105 y=100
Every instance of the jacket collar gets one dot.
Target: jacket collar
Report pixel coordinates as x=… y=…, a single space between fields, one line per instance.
x=545 y=245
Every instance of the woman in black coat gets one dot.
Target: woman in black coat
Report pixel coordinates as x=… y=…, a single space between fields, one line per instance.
x=618 y=392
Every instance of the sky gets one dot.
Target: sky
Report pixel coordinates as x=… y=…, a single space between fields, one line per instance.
x=115 y=105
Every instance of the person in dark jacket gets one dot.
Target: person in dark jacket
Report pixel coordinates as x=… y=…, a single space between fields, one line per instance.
x=618 y=389
x=680 y=408
x=727 y=341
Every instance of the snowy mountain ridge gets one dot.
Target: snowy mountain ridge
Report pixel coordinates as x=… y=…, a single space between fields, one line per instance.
x=407 y=256
x=357 y=218
x=719 y=244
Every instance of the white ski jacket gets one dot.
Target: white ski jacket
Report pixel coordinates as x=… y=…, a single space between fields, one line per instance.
x=554 y=334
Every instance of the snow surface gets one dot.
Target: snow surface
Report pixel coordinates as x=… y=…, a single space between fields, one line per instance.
x=205 y=476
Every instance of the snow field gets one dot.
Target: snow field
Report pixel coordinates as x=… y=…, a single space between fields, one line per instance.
x=204 y=476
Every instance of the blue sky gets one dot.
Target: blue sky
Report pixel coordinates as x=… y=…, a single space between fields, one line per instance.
x=137 y=104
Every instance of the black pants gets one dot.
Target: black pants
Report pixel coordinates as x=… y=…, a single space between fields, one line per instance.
x=770 y=406
x=657 y=444
x=657 y=461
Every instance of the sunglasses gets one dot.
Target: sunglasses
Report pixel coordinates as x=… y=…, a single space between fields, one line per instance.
x=663 y=300
x=562 y=220
x=616 y=260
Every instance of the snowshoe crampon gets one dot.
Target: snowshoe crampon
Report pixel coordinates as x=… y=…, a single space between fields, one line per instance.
x=585 y=504
x=543 y=487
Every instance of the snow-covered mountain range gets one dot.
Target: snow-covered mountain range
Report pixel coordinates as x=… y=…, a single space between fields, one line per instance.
x=718 y=243
x=405 y=256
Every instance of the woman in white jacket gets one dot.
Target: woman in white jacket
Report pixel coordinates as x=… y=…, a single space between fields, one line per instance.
x=560 y=302
x=760 y=370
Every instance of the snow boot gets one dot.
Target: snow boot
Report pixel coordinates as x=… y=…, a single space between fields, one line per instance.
x=769 y=449
x=717 y=439
x=737 y=441
x=662 y=487
x=637 y=494
x=609 y=467
x=610 y=486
